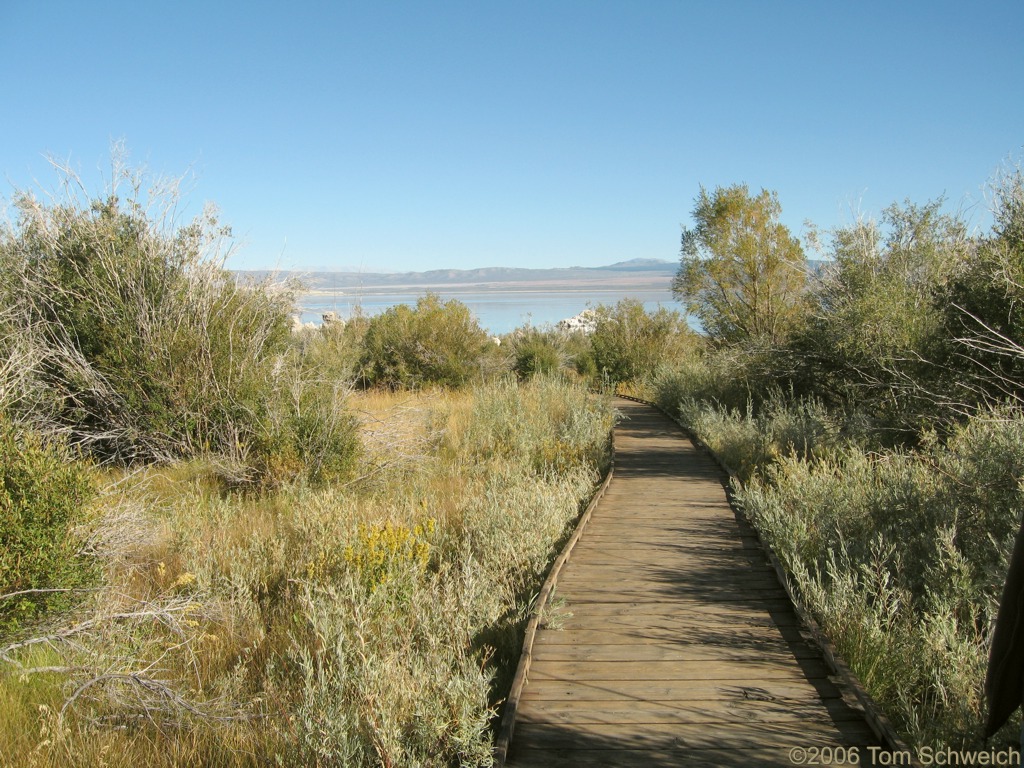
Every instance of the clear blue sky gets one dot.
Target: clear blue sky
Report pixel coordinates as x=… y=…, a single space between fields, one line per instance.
x=420 y=135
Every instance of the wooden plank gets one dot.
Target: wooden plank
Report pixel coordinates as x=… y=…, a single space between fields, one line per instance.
x=724 y=670
x=733 y=636
x=677 y=565
x=709 y=510
x=696 y=573
x=678 y=534
x=596 y=577
x=613 y=546
x=696 y=502
x=693 y=573
x=681 y=607
x=691 y=624
x=706 y=711
x=651 y=534
x=680 y=559
x=692 y=628
x=704 y=690
x=659 y=558
x=678 y=736
x=634 y=651
x=669 y=593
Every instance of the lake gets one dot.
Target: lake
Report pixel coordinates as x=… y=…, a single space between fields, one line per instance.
x=498 y=311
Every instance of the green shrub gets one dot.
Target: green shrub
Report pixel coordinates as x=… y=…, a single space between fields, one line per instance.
x=628 y=343
x=749 y=441
x=305 y=431
x=717 y=377
x=434 y=342
x=43 y=493
x=389 y=677
x=585 y=365
x=140 y=346
x=982 y=307
x=732 y=434
x=135 y=343
x=535 y=351
x=333 y=350
x=670 y=384
x=874 y=334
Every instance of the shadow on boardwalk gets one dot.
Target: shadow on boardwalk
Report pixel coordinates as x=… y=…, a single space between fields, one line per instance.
x=677 y=646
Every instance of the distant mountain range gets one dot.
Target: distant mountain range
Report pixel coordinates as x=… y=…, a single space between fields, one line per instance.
x=654 y=273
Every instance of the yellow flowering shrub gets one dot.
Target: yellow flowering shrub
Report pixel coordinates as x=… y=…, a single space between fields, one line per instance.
x=378 y=551
x=382 y=550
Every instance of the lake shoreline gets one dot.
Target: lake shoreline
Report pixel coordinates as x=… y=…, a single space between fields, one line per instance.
x=513 y=286
x=499 y=311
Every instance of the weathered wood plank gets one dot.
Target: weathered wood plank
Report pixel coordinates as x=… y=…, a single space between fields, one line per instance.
x=633 y=592
x=679 y=736
x=741 y=670
x=680 y=564
x=669 y=579
x=778 y=652
x=704 y=690
x=693 y=627
x=730 y=635
x=679 y=608
x=696 y=573
x=705 y=711
x=669 y=640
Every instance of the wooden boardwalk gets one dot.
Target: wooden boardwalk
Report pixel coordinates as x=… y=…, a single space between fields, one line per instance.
x=676 y=644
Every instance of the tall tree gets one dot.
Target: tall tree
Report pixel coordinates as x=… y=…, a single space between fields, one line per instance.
x=741 y=272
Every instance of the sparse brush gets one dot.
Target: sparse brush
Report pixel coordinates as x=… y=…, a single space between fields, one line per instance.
x=304 y=431
x=137 y=343
x=574 y=430
x=128 y=338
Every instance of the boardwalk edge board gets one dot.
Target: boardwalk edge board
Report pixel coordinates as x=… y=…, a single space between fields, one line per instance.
x=508 y=720
x=876 y=718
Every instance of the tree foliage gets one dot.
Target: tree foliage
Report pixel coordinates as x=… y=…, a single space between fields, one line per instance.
x=741 y=272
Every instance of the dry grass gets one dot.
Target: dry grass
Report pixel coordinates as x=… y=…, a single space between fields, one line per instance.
x=362 y=624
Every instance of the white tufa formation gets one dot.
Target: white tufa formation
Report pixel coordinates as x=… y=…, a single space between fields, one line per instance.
x=584 y=322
